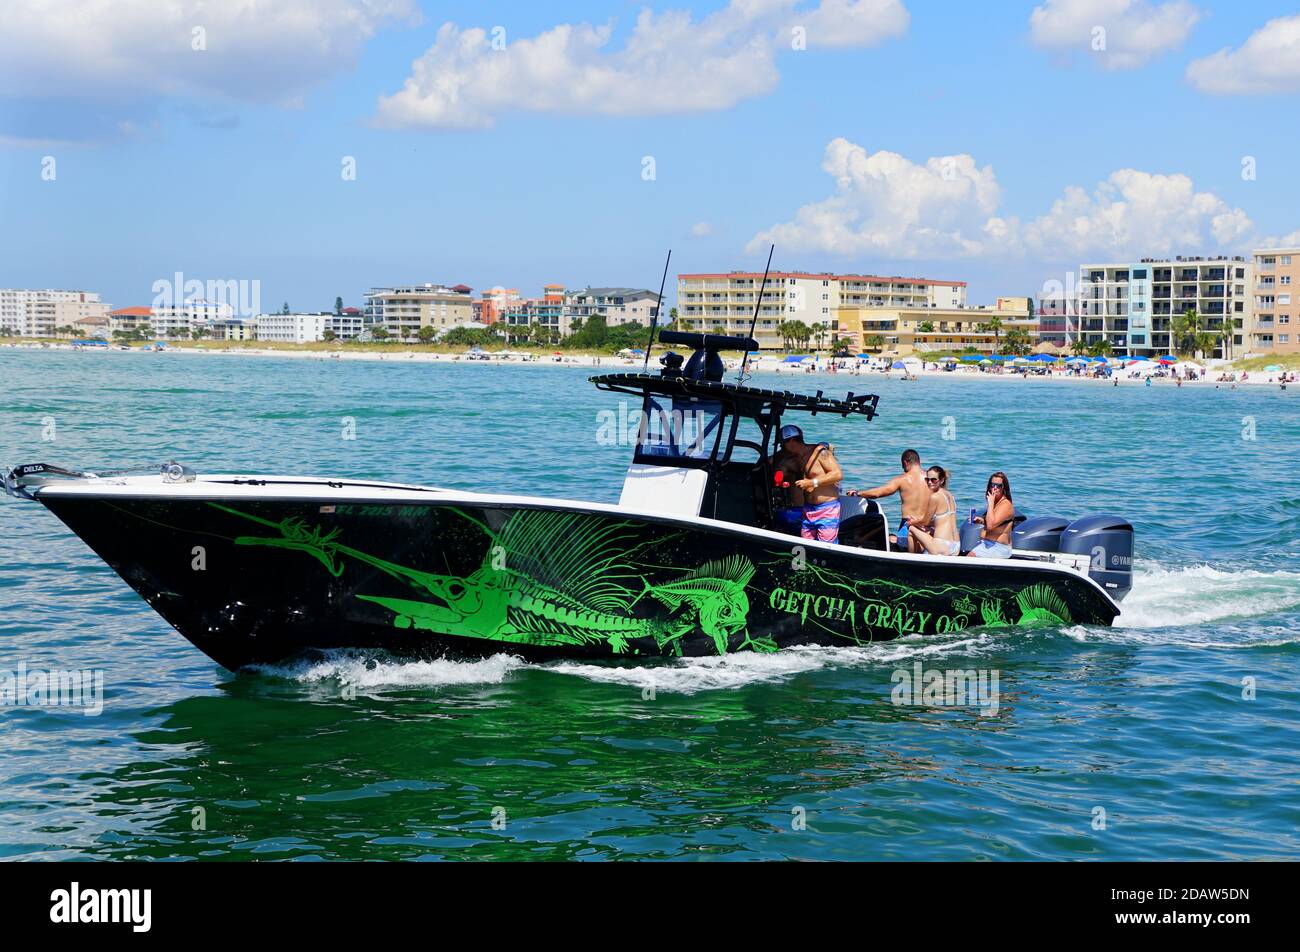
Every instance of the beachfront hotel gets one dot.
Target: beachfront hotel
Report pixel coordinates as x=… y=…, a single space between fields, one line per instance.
x=1276 y=326
x=43 y=313
x=724 y=303
x=1134 y=305
x=900 y=331
x=403 y=310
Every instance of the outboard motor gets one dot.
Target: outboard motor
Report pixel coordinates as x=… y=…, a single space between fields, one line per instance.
x=1108 y=543
x=1039 y=534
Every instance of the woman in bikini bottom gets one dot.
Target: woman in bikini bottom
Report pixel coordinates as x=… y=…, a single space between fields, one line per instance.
x=941 y=538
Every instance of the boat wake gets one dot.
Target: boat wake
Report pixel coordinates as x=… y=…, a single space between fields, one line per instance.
x=369 y=672
x=1202 y=606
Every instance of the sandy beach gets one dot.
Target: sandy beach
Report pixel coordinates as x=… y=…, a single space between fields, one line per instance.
x=767 y=366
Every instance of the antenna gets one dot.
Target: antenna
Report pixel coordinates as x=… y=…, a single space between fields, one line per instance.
x=659 y=309
x=744 y=365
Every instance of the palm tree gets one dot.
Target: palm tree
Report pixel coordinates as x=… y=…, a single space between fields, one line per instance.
x=1078 y=347
x=993 y=324
x=1018 y=341
x=820 y=333
x=1187 y=329
x=1100 y=348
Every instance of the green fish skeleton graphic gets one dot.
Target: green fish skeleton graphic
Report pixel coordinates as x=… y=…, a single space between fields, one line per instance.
x=548 y=578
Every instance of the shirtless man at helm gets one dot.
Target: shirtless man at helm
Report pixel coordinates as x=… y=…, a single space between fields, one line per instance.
x=820 y=485
x=916 y=498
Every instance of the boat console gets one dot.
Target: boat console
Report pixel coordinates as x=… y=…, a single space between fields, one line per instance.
x=704 y=447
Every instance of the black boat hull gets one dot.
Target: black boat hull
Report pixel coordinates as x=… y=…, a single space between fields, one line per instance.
x=252 y=581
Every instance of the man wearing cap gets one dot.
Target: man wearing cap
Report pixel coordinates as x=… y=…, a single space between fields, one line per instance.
x=819 y=479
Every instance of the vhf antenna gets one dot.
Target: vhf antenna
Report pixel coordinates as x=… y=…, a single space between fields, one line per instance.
x=659 y=309
x=744 y=364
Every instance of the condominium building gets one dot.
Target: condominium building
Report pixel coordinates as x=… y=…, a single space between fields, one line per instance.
x=1134 y=305
x=292 y=328
x=547 y=312
x=47 y=312
x=493 y=304
x=616 y=305
x=127 y=319
x=724 y=303
x=901 y=331
x=403 y=310
x=233 y=328
x=182 y=320
x=1276 y=325
x=348 y=325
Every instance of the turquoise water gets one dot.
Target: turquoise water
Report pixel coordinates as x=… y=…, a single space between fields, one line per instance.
x=795 y=755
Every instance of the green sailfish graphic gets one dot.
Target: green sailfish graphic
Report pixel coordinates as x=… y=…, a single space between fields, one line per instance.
x=547 y=578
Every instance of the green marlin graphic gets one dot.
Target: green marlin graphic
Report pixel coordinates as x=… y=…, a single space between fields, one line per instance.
x=548 y=578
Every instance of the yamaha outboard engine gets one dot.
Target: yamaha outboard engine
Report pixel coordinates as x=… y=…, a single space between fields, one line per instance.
x=1039 y=534
x=1108 y=543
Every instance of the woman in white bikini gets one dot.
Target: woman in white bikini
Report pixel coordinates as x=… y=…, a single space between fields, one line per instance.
x=941 y=536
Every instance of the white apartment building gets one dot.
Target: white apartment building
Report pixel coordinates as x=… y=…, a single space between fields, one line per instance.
x=346 y=326
x=1134 y=305
x=180 y=320
x=724 y=303
x=41 y=313
x=404 y=310
x=292 y=328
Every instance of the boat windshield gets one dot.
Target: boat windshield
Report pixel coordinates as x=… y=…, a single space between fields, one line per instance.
x=679 y=427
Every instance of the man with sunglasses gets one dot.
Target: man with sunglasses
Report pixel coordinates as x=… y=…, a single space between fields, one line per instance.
x=912 y=491
x=998 y=520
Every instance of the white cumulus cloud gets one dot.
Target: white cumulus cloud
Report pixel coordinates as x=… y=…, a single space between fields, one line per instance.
x=1118 y=34
x=1133 y=213
x=670 y=63
x=887 y=206
x=1268 y=62
x=118 y=60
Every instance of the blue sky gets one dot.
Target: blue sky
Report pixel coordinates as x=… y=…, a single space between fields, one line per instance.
x=229 y=167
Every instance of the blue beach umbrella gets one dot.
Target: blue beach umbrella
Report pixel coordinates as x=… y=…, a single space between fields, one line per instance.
x=898 y=365
x=793 y=359
x=971 y=359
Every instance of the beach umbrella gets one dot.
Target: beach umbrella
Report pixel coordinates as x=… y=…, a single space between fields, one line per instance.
x=793 y=359
x=1166 y=361
x=985 y=361
x=865 y=356
x=971 y=359
x=1273 y=369
x=898 y=365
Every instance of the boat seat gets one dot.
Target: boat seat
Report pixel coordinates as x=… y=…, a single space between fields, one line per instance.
x=666 y=490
